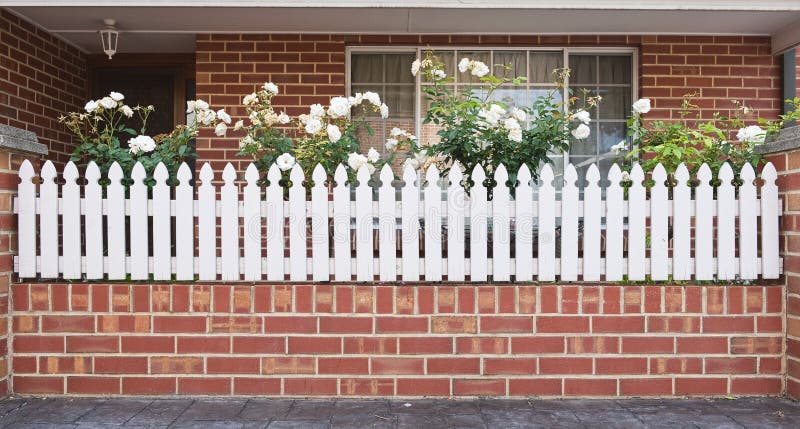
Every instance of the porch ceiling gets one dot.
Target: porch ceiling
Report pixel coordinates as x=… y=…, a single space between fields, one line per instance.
x=150 y=28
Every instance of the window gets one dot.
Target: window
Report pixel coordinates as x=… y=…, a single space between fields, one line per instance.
x=604 y=72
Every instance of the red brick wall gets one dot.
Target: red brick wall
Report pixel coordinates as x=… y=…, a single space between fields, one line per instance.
x=311 y=69
x=397 y=340
x=41 y=78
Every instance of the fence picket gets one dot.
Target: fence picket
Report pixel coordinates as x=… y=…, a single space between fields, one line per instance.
x=614 y=226
x=591 y=225
x=93 y=222
x=637 y=216
x=569 y=225
x=71 y=219
x=341 y=226
x=162 y=225
x=770 y=211
x=275 y=218
x=387 y=226
x=115 y=223
x=140 y=228
x=433 y=225
x=297 y=225
x=319 y=225
x=547 y=226
x=726 y=226
x=659 y=225
x=410 y=224
x=48 y=222
x=251 y=210
x=26 y=221
x=704 y=225
x=207 y=225
x=184 y=225
x=748 y=230
x=501 y=226
x=479 y=228
x=456 y=211
x=681 y=225
x=524 y=226
x=364 y=271
x=229 y=224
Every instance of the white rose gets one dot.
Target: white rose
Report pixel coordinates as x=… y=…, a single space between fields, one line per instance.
x=519 y=115
x=313 y=126
x=583 y=116
x=143 y=143
x=373 y=98
x=108 y=102
x=397 y=132
x=370 y=168
x=190 y=105
x=479 y=69
x=511 y=124
x=254 y=119
x=391 y=144
x=126 y=110
x=221 y=129
x=238 y=125
x=116 y=96
x=439 y=74
x=415 y=67
x=285 y=162
x=246 y=141
x=384 y=111
x=271 y=88
x=515 y=135
x=90 y=106
x=463 y=65
x=751 y=134
x=223 y=116
x=200 y=104
x=413 y=163
x=581 y=131
x=250 y=99
x=620 y=147
x=642 y=105
x=317 y=111
x=283 y=118
x=340 y=107
x=334 y=134
x=373 y=155
x=356 y=160
x=206 y=117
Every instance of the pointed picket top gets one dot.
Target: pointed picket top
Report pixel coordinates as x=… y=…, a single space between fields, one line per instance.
x=70 y=173
x=704 y=174
x=228 y=173
x=547 y=175
x=363 y=175
x=273 y=175
x=114 y=173
x=768 y=173
x=92 y=172
x=748 y=174
x=48 y=171
x=161 y=174
x=138 y=173
x=297 y=176
x=206 y=174
x=570 y=176
x=386 y=176
x=524 y=175
x=593 y=175
x=432 y=176
x=319 y=176
x=409 y=175
x=340 y=176
x=500 y=176
x=614 y=175
x=455 y=175
x=478 y=175
x=26 y=170
x=251 y=174
x=659 y=175
x=726 y=174
x=184 y=174
x=682 y=174
x=637 y=174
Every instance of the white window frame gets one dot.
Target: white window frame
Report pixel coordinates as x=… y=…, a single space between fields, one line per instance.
x=419 y=50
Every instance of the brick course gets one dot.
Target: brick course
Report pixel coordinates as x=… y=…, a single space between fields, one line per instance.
x=549 y=340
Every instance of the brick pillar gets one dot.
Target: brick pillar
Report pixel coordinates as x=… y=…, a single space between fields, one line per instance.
x=15 y=146
x=784 y=153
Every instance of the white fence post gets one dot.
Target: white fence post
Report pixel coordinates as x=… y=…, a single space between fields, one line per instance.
x=319 y=225
x=48 y=223
x=252 y=224
x=184 y=225
x=456 y=212
x=207 y=225
x=410 y=224
x=140 y=229
x=162 y=225
x=71 y=218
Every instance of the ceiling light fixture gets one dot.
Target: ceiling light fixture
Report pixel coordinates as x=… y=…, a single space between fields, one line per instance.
x=109 y=37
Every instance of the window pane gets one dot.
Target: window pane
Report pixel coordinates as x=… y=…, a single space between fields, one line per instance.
x=511 y=96
x=610 y=134
x=516 y=60
x=366 y=68
x=616 y=103
x=400 y=100
x=542 y=65
x=583 y=69
x=587 y=146
x=482 y=56
x=398 y=68
x=615 y=69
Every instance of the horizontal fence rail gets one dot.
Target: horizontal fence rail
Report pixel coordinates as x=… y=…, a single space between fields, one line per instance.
x=430 y=229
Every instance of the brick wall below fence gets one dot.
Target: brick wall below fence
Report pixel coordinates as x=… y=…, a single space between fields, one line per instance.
x=100 y=339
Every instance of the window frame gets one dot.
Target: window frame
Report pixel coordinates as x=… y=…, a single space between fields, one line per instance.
x=566 y=51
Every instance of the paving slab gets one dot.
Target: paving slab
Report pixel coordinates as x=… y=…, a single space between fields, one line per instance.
x=266 y=413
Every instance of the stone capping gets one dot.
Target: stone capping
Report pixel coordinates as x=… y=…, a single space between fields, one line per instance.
x=17 y=139
x=788 y=139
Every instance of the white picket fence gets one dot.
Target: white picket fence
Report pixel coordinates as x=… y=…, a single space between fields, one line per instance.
x=255 y=235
